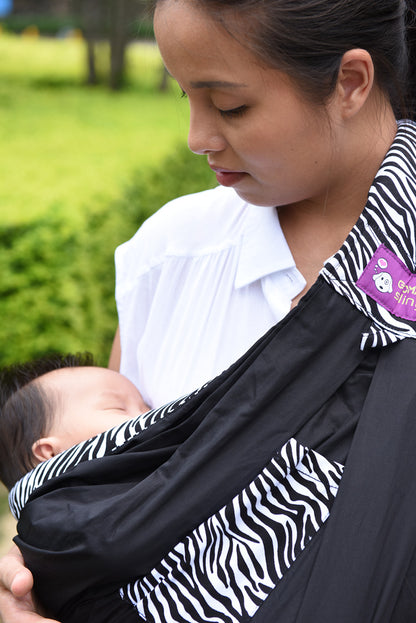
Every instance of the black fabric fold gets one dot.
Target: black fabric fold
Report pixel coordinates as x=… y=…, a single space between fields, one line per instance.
x=369 y=543
x=112 y=519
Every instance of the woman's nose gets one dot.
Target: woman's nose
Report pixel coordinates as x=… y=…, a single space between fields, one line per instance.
x=204 y=136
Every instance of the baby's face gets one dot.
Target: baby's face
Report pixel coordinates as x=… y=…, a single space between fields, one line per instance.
x=90 y=401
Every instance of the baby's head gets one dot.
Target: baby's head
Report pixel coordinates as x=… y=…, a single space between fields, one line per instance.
x=50 y=404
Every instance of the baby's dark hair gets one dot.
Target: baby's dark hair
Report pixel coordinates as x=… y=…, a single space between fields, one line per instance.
x=26 y=411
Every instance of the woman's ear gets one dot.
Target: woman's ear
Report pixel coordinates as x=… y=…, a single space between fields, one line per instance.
x=355 y=81
x=45 y=448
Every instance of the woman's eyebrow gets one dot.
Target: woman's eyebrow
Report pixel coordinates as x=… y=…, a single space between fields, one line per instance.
x=216 y=84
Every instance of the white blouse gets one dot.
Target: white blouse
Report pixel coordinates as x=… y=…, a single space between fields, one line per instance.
x=198 y=284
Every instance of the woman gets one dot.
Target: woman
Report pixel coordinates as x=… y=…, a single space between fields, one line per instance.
x=295 y=108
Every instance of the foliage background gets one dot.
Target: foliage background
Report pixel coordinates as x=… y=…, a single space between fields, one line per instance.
x=82 y=168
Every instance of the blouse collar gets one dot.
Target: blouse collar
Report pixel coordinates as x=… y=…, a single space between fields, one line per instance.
x=264 y=249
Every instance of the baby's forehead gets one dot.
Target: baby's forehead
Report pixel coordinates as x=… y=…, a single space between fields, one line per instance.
x=60 y=372
x=92 y=385
x=80 y=379
x=68 y=387
x=62 y=377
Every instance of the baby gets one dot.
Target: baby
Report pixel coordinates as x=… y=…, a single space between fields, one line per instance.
x=53 y=403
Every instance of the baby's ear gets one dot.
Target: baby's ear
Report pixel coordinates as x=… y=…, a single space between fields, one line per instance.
x=45 y=448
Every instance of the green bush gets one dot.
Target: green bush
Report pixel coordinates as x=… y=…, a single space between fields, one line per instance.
x=51 y=25
x=179 y=174
x=47 y=291
x=57 y=285
x=46 y=24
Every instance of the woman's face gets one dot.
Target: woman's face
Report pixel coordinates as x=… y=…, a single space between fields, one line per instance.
x=259 y=133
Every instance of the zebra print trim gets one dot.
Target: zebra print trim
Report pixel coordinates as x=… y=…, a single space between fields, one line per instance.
x=103 y=444
x=388 y=218
x=226 y=568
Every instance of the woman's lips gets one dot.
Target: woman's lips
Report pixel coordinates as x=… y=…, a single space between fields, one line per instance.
x=226 y=177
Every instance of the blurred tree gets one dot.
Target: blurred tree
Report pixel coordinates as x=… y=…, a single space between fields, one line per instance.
x=112 y=21
x=42 y=7
x=123 y=13
x=93 y=24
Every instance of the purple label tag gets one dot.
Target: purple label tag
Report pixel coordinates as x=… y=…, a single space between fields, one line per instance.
x=389 y=282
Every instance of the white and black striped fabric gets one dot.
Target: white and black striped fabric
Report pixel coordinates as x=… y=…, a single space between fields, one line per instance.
x=94 y=448
x=226 y=568
x=388 y=218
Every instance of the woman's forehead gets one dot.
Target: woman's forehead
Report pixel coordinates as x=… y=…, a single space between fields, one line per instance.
x=197 y=49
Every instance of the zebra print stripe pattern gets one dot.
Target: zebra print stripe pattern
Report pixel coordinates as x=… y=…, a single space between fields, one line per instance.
x=103 y=444
x=389 y=218
x=226 y=568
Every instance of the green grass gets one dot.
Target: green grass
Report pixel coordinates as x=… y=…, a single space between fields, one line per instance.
x=69 y=147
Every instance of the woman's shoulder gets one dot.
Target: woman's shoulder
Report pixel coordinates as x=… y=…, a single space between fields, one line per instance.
x=192 y=224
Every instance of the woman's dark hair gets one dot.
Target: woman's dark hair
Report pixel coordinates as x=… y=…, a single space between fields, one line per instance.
x=308 y=38
x=26 y=411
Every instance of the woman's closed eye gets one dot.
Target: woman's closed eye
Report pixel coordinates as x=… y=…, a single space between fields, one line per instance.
x=233 y=112
x=238 y=111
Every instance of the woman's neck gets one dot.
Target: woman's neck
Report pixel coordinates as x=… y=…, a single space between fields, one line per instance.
x=315 y=230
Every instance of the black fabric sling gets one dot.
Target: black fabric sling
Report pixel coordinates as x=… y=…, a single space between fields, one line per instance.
x=233 y=505
x=111 y=520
